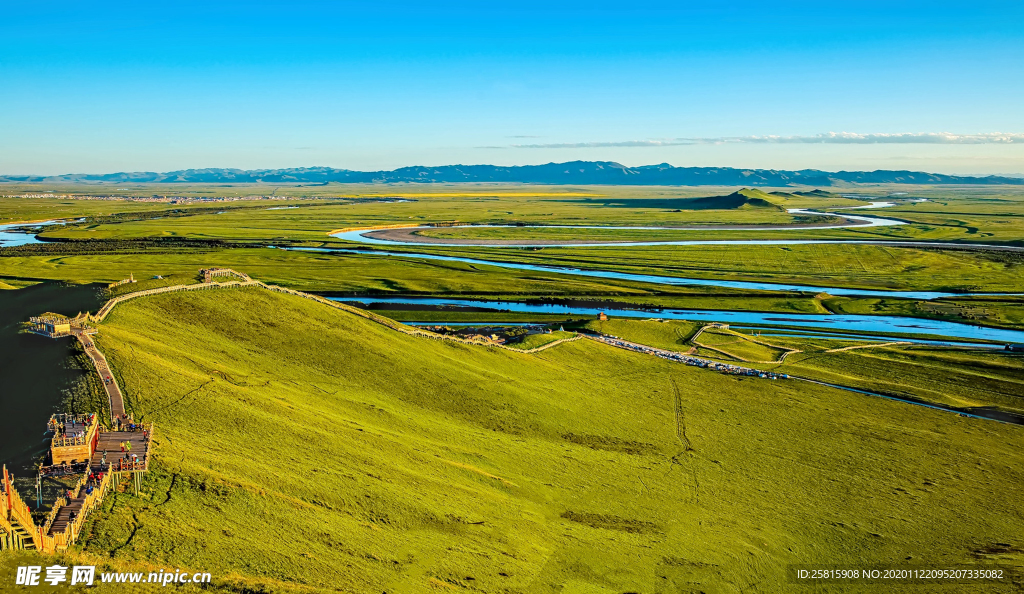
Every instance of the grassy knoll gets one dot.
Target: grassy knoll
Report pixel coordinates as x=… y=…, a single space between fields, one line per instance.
x=533 y=341
x=671 y=335
x=306 y=449
x=737 y=346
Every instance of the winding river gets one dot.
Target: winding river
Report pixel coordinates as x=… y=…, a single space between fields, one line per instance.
x=13 y=235
x=408 y=235
x=662 y=280
x=830 y=322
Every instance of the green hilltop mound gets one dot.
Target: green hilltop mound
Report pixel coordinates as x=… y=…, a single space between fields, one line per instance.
x=301 y=448
x=745 y=198
x=815 y=193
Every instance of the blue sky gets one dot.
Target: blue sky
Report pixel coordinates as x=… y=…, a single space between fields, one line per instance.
x=100 y=87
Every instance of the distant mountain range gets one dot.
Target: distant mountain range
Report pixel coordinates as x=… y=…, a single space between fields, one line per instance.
x=575 y=172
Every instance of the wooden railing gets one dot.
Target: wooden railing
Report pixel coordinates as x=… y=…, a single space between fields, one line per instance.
x=61 y=441
x=62 y=540
x=50 y=517
x=15 y=511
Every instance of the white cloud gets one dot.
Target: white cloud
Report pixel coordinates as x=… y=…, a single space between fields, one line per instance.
x=829 y=138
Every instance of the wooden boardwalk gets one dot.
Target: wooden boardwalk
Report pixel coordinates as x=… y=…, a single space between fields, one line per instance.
x=103 y=369
x=109 y=442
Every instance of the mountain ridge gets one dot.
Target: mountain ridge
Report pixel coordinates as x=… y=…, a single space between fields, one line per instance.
x=572 y=172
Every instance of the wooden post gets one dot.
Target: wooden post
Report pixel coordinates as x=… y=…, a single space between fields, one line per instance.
x=7 y=488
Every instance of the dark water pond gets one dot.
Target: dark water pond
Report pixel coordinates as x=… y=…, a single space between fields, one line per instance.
x=33 y=369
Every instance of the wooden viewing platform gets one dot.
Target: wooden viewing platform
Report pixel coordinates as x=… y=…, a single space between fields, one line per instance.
x=101 y=458
x=74 y=437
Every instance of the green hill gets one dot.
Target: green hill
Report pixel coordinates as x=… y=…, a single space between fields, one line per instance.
x=302 y=448
x=745 y=198
x=815 y=193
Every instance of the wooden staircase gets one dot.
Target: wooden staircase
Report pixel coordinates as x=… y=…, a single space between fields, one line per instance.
x=17 y=530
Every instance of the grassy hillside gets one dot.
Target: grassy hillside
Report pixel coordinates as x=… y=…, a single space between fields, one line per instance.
x=745 y=198
x=303 y=448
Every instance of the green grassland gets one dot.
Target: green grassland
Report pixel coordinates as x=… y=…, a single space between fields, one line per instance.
x=306 y=449
x=952 y=376
x=979 y=214
x=302 y=448
x=836 y=265
x=856 y=266
x=356 y=274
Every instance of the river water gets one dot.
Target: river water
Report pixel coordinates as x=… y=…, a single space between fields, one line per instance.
x=363 y=235
x=874 y=324
x=11 y=234
x=665 y=280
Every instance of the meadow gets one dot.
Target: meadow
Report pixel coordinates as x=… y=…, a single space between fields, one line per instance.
x=953 y=376
x=306 y=449
x=988 y=215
